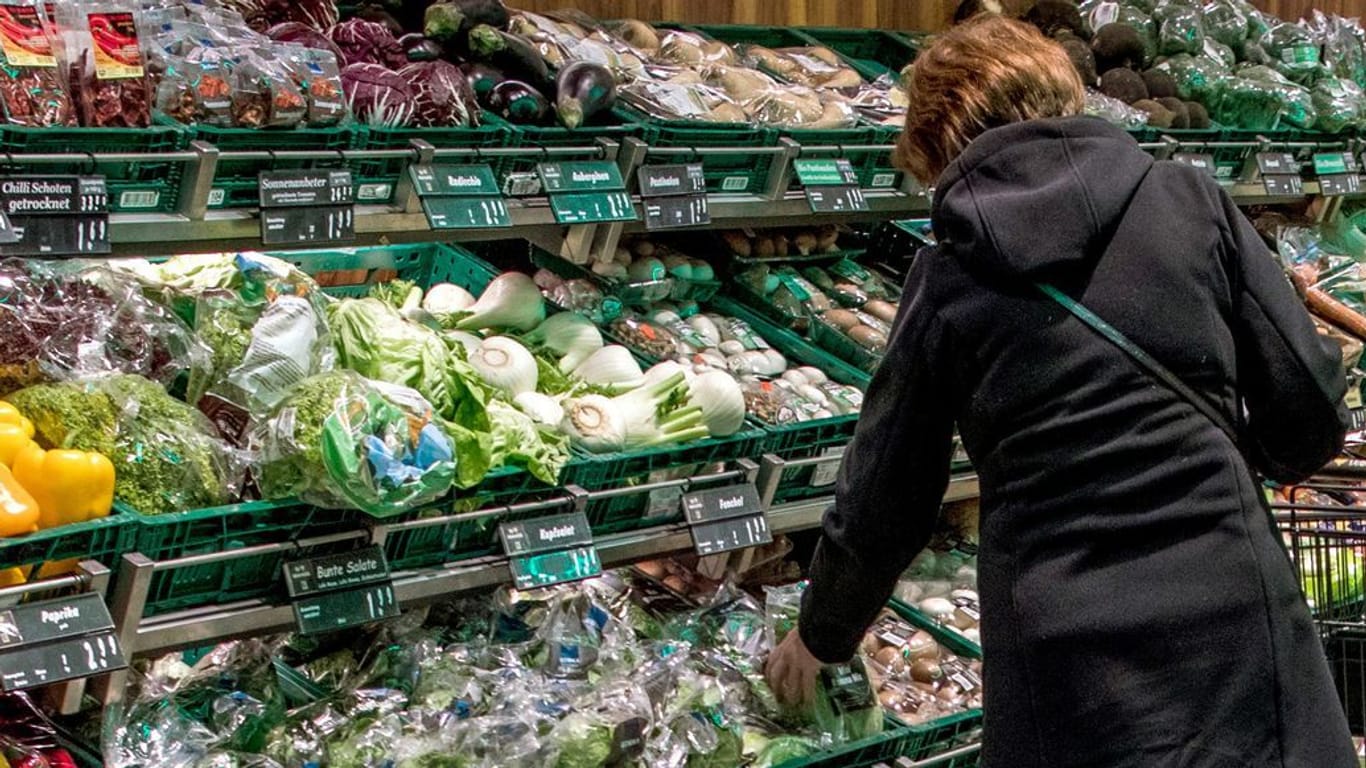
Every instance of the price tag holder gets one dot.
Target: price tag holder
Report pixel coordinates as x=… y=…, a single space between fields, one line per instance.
x=726 y=519
x=831 y=186
x=55 y=640
x=1358 y=418
x=1334 y=163
x=347 y=589
x=1283 y=185
x=586 y=192
x=550 y=550
x=1277 y=164
x=1338 y=184
x=1199 y=160
x=306 y=207
x=54 y=216
x=460 y=197
x=675 y=196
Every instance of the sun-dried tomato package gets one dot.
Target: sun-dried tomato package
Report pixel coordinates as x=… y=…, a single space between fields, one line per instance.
x=265 y=92
x=318 y=76
x=32 y=88
x=114 y=92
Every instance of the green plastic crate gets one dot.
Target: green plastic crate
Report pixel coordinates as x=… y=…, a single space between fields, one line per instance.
x=916 y=742
x=104 y=540
x=841 y=346
x=729 y=173
x=350 y=272
x=221 y=529
x=872 y=53
x=604 y=471
x=809 y=438
x=376 y=180
x=236 y=182
x=135 y=187
x=535 y=137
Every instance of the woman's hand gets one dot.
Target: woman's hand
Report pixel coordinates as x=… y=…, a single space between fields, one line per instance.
x=791 y=672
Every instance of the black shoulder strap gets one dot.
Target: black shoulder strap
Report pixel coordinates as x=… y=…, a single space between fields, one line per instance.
x=1144 y=360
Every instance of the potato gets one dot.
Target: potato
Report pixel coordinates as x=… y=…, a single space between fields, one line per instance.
x=882 y=310
x=868 y=337
x=716 y=52
x=826 y=55
x=726 y=112
x=845 y=78
x=639 y=34
x=842 y=319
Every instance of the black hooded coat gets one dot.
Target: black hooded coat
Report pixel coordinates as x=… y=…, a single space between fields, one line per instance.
x=1138 y=606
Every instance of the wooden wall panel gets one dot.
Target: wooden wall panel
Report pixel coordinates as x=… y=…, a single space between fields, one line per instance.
x=877 y=14
x=926 y=15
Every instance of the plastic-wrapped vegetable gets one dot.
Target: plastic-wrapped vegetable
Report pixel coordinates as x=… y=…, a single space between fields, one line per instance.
x=1339 y=103
x=62 y=321
x=1297 y=106
x=1250 y=104
x=168 y=457
x=1179 y=29
x=1342 y=46
x=1198 y=78
x=1225 y=22
x=340 y=440
x=1293 y=50
x=1114 y=110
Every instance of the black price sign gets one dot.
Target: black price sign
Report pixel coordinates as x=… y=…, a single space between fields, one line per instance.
x=306 y=207
x=1277 y=163
x=671 y=180
x=55 y=640
x=550 y=550
x=460 y=196
x=836 y=199
x=1283 y=185
x=1202 y=161
x=1338 y=184
x=54 y=216
x=726 y=519
x=1358 y=417
x=676 y=212
x=675 y=196
x=342 y=590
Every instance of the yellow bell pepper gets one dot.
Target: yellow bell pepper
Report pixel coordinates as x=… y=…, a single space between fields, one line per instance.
x=70 y=486
x=11 y=415
x=12 y=577
x=12 y=441
x=18 y=509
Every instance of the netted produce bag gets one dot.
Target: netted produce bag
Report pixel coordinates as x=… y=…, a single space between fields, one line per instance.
x=1198 y=78
x=1249 y=104
x=339 y=440
x=167 y=456
x=1294 y=51
x=75 y=319
x=1339 y=104
x=1114 y=110
x=1179 y=29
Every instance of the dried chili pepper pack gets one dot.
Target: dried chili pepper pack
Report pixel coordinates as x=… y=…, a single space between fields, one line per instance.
x=32 y=91
x=114 y=91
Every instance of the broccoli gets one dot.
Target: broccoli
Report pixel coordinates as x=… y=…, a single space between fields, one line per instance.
x=69 y=416
x=289 y=467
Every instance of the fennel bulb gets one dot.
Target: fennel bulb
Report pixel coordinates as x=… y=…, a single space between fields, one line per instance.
x=505 y=365
x=653 y=414
x=571 y=337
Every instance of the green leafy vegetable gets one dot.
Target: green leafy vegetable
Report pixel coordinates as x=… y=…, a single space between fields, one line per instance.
x=399 y=294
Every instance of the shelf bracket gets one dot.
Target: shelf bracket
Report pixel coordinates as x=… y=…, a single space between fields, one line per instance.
x=196 y=183
x=405 y=194
x=130 y=600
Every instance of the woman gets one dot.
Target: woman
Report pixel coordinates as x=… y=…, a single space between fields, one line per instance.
x=1138 y=606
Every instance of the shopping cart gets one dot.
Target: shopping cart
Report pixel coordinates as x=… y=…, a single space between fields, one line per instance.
x=1324 y=525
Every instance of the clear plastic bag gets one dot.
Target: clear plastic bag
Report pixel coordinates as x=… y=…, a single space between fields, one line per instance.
x=1114 y=110
x=1250 y=104
x=1225 y=21
x=813 y=67
x=33 y=89
x=1339 y=103
x=340 y=440
x=1198 y=78
x=75 y=319
x=1179 y=29
x=1293 y=50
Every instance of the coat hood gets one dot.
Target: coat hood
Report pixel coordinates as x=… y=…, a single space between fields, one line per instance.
x=1035 y=196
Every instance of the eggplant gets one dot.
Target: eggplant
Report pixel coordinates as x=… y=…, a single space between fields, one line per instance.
x=482 y=78
x=512 y=54
x=379 y=14
x=582 y=91
x=418 y=47
x=450 y=22
x=519 y=103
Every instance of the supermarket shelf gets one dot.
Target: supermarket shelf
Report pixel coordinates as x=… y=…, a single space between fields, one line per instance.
x=200 y=627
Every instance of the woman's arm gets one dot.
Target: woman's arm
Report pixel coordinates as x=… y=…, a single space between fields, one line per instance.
x=891 y=483
x=1290 y=377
